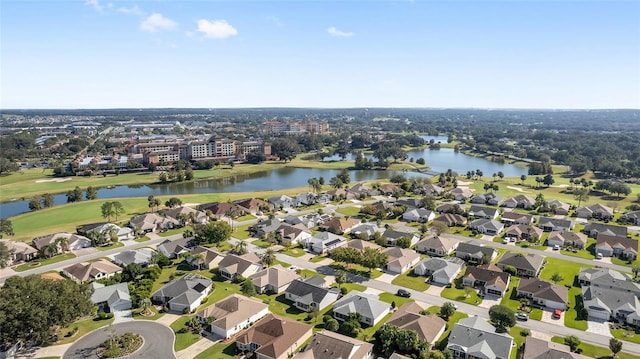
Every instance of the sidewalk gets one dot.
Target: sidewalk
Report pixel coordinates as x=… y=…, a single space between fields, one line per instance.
x=193 y=350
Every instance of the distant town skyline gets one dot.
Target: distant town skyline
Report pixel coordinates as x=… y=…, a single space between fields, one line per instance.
x=323 y=54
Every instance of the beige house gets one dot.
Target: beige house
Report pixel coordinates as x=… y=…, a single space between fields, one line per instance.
x=273 y=279
x=330 y=345
x=233 y=314
x=274 y=337
x=428 y=327
x=83 y=272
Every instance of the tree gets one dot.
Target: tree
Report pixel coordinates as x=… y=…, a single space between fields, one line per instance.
x=404 y=242
x=173 y=202
x=47 y=200
x=74 y=195
x=248 y=288
x=117 y=208
x=447 y=310
x=153 y=202
x=341 y=277
x=269 y=257
x=6 y=227
x=523 y=178
x=212 y=233
x=285 y=148
x=255 y=157
x=91 y=193
x=616 y=346
x=31 y=307
x=107 y=210
x=332 y=325
x=502 y=316
x=5 y=255
x=241 y=247
x=35 y=204
x=556 y=277
x=351 y=327
x=7 y=166
x=573 y=342
x=373 y=258
x=548 y=180
x=49 y=250
x=581 y=195
x=635 y=270
x=438 y=227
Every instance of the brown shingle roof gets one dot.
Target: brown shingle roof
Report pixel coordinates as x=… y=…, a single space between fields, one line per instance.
x=275 y=335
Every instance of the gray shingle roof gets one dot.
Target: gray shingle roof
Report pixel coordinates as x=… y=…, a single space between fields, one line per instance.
x=477 y=337
x=308 y=292
x=357 y=302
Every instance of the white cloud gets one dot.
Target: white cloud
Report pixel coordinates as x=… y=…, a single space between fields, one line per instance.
x=216 y=29
x=95 y=4
x=337 y=33
x=156 y=22
x=134 y=10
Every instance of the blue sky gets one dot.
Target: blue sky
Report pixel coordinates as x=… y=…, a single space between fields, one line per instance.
x=235 y=53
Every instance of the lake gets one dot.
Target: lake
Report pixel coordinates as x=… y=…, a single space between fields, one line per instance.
x=283 y=178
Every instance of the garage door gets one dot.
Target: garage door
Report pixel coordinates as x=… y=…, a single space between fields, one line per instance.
x=598 y=314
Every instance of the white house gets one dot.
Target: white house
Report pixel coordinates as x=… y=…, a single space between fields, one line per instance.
x=233 y=314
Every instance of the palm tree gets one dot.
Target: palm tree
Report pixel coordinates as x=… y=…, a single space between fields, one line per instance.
x=145 y=303
x=49 y=250
x=63 y=243
x=241 y=247
x=269 y=257
x=197 y=260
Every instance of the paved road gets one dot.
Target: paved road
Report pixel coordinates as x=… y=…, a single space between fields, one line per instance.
x=158 y=341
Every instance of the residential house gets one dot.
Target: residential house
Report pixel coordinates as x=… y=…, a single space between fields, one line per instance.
x=19 y=251
x=609 y=304
x=428 y=189
x=428 y=327
x=273 y=279
x=274 y=337
x=608 y=279
x=475 y=338
x=632 y=218
x=460 y=193
x=483 y=212
x=509 y=218
x=74 y=242
x=370 y=308
x=220 y=210
x=392 y=237
x=473 y=251
x=594 y=229
x=451 y=219
x=141 y=256
x=438 y=270
x=152 y=222
x=520 y=201
x=524 y=232
x=409 y=202
x=491 y=199
x=84 y=272
x=450 y=208
x=340 y=194
x=232 y=266
x=255 y=206
x=557 y=207
x=281 y=202
x=309 y=220
x=339 y=225
x=365 y=231
x=265 y=227
x=488 y=278
x=324 y=242
x=204 y=258
x=527 y=265
x=360 y=245
x=543 y=293
x=232 y=315
x=311 y=294
x=174 y=249
x=400 y=260
x=596 y=211
x=567 y=239
x=183 y=294
x=184 y=215
x=305 y=199
x=487 y=226
x=112 y=298
x=418 y=215
x=535 y=348
x=361 y=190
x=613 y=246
x=293 y=234
x=549 y=224
x=390 y=189
x=437 y=246
x=329 y=345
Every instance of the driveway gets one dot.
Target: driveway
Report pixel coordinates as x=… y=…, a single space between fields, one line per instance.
x=122 y=314
x=158 y=341
x=386 y=277
x=547 y=317
x=373 y=291
x=434 y=289
x=489 y=301
x=599 y=326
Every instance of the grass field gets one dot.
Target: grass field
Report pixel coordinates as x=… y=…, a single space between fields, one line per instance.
x=183 y=339
x=410 y=280
x=593 y=351
x=458 y=293
x=223 y=350
x=390 y=298
x=84 y=326
x=567 y=269
x=43 y=262
x=294 y=252
x=628 y=335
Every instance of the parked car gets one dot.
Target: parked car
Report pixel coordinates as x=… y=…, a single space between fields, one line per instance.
x=403 y=293
x=598 y=255
x=556 y=247
x=522 y=316
x=557 y=314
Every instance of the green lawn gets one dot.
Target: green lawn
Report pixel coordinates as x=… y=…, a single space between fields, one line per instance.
x=411 y=280
x=171 y=232
x=184 y=339
x=262 y=243
x=368 y=332
x=156 y=314
x=628 y=335
x=293 y=252
x=353 y=286
x=224 y=350
x=357 y=269
x=512 y=301
x=593 y=351
x=110 y=246
x=84 y=326
x=571 y=315
x=142 y=239
x=43 y=262
x=567 y=269
x=242 y=232
x=308 y=273
x=458 y=293
x=317 y=259
x=283 y=264
x=351 y=211
x=621 y=262
x=442 y=342
x=246 y=217
x=389 y=298
x=580 y=253
x=518 y=339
